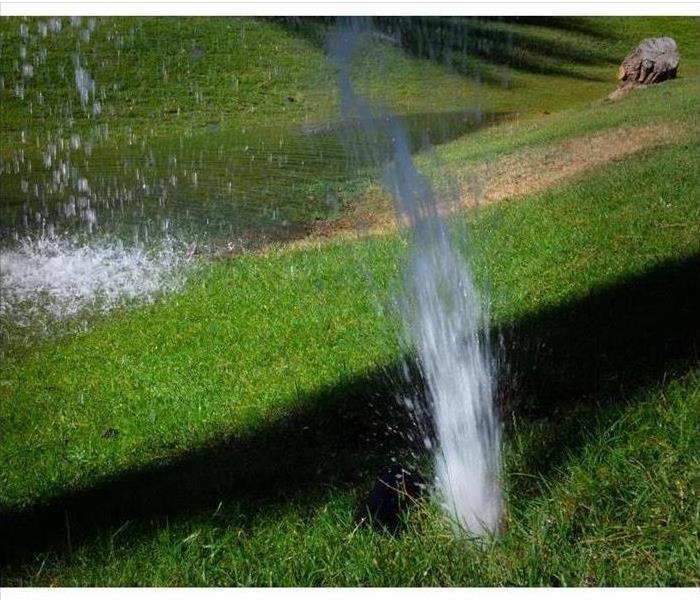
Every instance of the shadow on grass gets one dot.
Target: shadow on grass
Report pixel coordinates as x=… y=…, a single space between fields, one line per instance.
x=575 y=356
x=568 y=364
x=578 y=25
x=467 y=45
x=482 y=47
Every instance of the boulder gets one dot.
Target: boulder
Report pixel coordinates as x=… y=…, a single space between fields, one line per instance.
x=653 y=61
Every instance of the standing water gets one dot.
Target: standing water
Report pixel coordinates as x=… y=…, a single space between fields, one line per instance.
x=444 y=321
x=98 y=207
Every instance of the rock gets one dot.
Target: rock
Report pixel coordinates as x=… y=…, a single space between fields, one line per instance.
x=653 y=61
x=394 y=490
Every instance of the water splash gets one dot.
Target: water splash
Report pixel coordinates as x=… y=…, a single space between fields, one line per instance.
x=84 y=83
x=57 y=277
x=444 y=324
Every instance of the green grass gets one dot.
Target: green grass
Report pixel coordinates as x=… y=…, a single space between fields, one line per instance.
x=673 y=102
x=451 y=164
x=225 y=434
x=210 y=392
x=159 y=74
x=207 y=84
x=621 y=512
x=166 y=77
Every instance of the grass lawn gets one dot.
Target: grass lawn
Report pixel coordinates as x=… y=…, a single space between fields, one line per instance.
x=168 y=77
x=225 y=434
x=230 y=425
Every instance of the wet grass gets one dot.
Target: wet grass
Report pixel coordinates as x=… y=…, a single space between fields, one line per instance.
x=454 y=162
x=225 y=436
x=156 y=75
x=207 y=103
x=583 y=527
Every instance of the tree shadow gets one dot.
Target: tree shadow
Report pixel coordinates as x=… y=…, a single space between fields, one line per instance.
x=578 y=25
x=484 y=48
x=335 y=438
x=314 y=30
x=468 y=45
x=579 y=355
x=568 y=364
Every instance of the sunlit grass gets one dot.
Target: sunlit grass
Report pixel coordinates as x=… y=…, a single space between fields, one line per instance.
x=218 y=435
x=169 y=77
x=253 y=338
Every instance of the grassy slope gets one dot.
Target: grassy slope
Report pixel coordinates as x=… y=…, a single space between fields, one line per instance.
x=168 y=76
x=249 y=340
x=453 y=162
x=539 y=66
x=616 y=38
x=160 y=74
x=253 y=338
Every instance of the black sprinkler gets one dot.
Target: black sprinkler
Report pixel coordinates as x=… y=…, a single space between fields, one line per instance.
x=393 y=492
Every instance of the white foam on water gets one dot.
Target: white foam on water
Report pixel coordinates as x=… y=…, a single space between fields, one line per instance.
x=60 y=277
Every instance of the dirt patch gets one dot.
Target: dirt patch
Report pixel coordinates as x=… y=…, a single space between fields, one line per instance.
x=507 y=178
x=531 y=171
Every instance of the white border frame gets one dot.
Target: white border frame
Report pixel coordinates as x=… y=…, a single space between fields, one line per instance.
x=348 y=7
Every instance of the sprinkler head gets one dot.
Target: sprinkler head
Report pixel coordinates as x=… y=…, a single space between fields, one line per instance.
x=393 y=492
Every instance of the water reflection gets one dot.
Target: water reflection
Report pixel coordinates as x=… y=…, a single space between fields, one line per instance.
x=217 y=183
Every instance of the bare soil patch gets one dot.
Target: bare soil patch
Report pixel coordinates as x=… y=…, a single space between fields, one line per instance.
x=507 y=178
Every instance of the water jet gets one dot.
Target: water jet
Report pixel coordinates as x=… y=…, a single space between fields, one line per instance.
x=444 y=320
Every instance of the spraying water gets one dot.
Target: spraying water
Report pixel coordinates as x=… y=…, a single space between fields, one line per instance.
x=445 y=322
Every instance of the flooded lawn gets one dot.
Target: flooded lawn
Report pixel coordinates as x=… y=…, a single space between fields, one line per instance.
x=213 y=184
x=101 y=200
x=84 y=216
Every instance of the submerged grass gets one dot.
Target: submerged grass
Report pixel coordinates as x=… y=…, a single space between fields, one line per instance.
x=197 y=92
x=224 y=436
